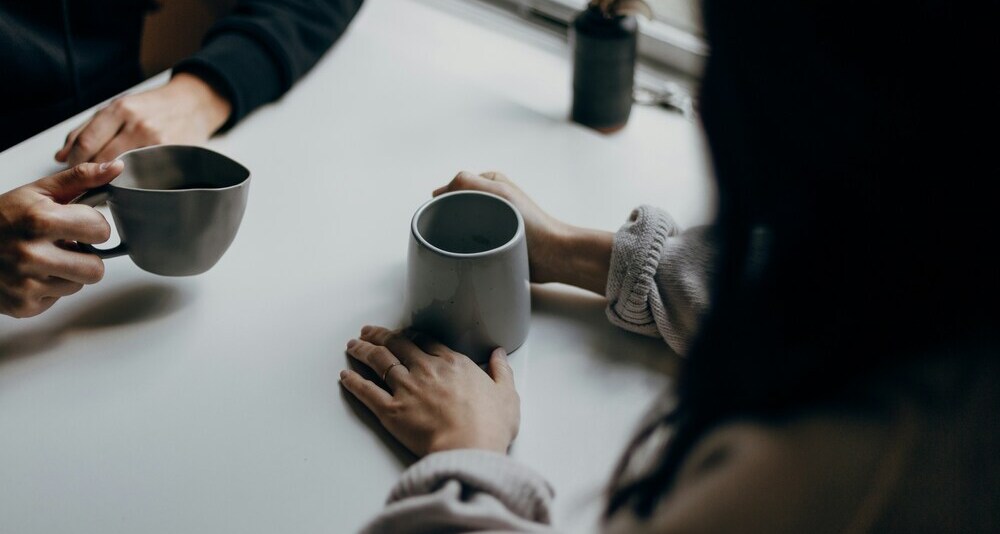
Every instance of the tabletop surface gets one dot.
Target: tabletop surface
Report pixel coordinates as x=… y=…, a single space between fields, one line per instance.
x=212 y=404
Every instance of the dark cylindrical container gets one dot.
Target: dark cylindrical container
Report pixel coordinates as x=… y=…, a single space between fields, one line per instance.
x=604 y=55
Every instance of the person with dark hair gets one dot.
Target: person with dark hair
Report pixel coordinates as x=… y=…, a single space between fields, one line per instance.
x=64 y=57
x=838 y=321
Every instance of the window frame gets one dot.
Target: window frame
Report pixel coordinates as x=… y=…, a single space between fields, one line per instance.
x=661 y=45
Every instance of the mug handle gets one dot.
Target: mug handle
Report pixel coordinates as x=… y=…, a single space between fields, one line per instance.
x=93 y=198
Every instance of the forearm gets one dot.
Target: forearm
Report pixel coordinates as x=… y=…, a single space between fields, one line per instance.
x=654 y=276
x=262 y=47
x=580 y=257
x=213 y=109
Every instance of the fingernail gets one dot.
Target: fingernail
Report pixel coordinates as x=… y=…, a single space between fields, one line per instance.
x=365 y=330
x=343 y=374
x=351 y=343
x=104 y=166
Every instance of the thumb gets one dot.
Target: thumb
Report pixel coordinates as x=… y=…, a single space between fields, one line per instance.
x=73 y=182
x=499 y=368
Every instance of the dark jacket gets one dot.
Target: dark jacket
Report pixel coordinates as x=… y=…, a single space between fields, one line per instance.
x=59 y=57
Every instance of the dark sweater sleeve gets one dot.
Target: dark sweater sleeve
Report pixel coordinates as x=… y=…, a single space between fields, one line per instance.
x=256 y=52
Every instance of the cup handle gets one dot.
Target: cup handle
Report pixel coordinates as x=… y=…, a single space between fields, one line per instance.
x=93 y=198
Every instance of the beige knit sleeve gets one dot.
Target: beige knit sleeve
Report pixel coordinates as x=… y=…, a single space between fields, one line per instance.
x=659 y=277
x=466 y=491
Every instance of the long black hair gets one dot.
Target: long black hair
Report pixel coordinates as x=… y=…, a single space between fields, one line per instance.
x=854 y=145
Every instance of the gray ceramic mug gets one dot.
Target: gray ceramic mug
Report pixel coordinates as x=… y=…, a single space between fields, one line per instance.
x=176 y=208
x=467 y=275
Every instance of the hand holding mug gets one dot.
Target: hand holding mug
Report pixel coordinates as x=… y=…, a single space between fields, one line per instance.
x=542 y=230
x=557 y=252
x=438 y=399
x=176 y=208
x=39 y=257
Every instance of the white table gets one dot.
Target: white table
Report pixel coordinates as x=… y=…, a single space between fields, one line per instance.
x=211 y=404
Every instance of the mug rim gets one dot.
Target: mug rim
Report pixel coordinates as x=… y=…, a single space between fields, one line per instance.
x=196 y=148
x=511 y=243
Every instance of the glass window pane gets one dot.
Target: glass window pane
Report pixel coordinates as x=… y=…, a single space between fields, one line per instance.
x=684 y=14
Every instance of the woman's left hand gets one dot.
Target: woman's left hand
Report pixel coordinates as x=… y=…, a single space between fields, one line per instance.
x=438 y=399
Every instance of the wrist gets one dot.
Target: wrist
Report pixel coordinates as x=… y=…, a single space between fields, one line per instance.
x=472 y=441
x=211 y=105
x=581 y=257
x=546 y=251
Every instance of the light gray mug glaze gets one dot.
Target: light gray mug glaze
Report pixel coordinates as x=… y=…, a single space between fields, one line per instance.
x=177 y=208
x=467 y=274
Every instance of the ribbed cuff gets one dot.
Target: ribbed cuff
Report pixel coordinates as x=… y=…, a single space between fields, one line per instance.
x=241 y=69
x=635 y=256
x=520 y=489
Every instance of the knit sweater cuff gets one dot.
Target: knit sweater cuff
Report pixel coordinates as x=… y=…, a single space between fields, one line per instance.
x=243 y=70
x=521 y=490
x=635 y=257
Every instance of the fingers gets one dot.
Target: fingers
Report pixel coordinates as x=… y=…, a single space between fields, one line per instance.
x=399 y=345
x=128 y=122
x=72 y=182
x=76 y=222
x=29 y=296
x=123 y=142
x=490 y=182
x=43 y=259
x=135 y=133
x=101 y=129
x=499 y=368
x=375 y=398
x=58 y=287
x=379 y=359
x=73 y=222
x=427 y=343
x=23 y=309
x=496 y=177
x=63 y=153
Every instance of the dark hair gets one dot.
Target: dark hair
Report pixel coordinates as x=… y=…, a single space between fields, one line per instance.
x=850 y=146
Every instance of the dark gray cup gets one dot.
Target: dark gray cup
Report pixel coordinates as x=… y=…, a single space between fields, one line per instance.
x=467 y=273
x=177 y=208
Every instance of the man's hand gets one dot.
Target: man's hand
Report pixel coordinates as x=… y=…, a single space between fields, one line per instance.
x=185 y=110
x=39 y=261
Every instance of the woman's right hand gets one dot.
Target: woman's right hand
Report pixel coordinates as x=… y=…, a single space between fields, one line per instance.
x=557 y=252
x=39 y=229
x=542 y=231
